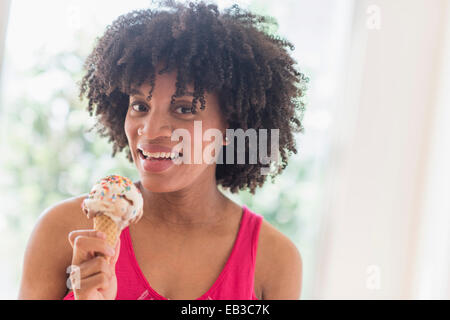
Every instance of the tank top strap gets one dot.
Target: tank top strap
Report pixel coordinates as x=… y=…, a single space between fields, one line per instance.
x=131 y=284
x=238 y=281
x=248 y=240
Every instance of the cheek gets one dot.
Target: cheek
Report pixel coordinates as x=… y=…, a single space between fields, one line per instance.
x=129 y=127
x=206 y=145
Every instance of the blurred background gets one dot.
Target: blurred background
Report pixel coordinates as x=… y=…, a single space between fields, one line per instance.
x=366 y=199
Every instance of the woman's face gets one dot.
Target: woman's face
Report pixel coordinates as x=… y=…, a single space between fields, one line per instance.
x=156 y=119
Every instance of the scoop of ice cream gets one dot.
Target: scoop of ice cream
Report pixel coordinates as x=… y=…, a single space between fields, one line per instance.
x=118 y=198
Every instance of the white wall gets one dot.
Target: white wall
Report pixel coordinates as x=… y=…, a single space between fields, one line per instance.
x=381 y=150
x=432 y=272
x=4 y=14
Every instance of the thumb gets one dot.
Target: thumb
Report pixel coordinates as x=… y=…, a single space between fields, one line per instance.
x=114 y=259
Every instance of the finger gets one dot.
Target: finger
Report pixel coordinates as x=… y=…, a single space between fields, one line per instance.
x=86 y=248
x=94 y=282
x=94 y=266
x=88 y=233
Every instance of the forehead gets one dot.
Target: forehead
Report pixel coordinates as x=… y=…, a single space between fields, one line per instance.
x=138 y=92
x=165 y=83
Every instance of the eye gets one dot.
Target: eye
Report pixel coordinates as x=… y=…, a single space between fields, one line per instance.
x=138 y=104
x=184 y=109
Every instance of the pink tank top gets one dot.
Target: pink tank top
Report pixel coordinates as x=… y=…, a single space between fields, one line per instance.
x=235 y=282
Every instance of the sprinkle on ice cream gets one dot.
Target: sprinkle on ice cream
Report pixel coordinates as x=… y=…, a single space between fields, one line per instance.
x=117 y=197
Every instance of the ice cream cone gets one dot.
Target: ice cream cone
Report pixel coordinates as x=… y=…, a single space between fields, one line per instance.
x=113 y=202
x=105 y=224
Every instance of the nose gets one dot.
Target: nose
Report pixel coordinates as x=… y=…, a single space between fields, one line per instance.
x=155 y=126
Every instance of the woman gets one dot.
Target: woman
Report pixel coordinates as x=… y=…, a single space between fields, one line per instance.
x=151 y=73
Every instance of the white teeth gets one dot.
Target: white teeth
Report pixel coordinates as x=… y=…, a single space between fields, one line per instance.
x=160 y=154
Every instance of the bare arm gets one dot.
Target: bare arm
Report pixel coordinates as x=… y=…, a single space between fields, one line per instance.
x=283 y=275
x=48 y=254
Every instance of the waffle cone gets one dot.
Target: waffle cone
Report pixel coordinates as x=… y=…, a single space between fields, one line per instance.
x=106 y=225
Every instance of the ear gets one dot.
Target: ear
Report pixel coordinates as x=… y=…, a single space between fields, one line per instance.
x=226 y=141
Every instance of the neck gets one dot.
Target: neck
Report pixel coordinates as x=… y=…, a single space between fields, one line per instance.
x=190 y=207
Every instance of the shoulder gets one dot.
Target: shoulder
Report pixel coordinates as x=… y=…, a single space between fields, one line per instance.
x=62 y=217
x=48 y=252
x=279 y=265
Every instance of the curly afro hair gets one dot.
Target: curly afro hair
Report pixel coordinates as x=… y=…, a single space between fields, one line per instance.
x=229 y=53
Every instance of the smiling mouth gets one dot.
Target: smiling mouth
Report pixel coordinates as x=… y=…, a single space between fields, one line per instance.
x=159 y=155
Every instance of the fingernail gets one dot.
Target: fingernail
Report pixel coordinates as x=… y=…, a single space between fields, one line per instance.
x=101 y=235
x=111 y=251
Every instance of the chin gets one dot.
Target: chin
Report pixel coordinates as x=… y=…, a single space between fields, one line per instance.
x=155 y=184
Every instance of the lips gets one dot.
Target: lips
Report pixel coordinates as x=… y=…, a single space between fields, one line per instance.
x=154 y=165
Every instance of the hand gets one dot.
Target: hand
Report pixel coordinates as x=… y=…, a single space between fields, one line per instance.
x=96 y=262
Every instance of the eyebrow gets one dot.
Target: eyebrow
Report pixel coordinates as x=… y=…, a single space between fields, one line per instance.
x=138 y=93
